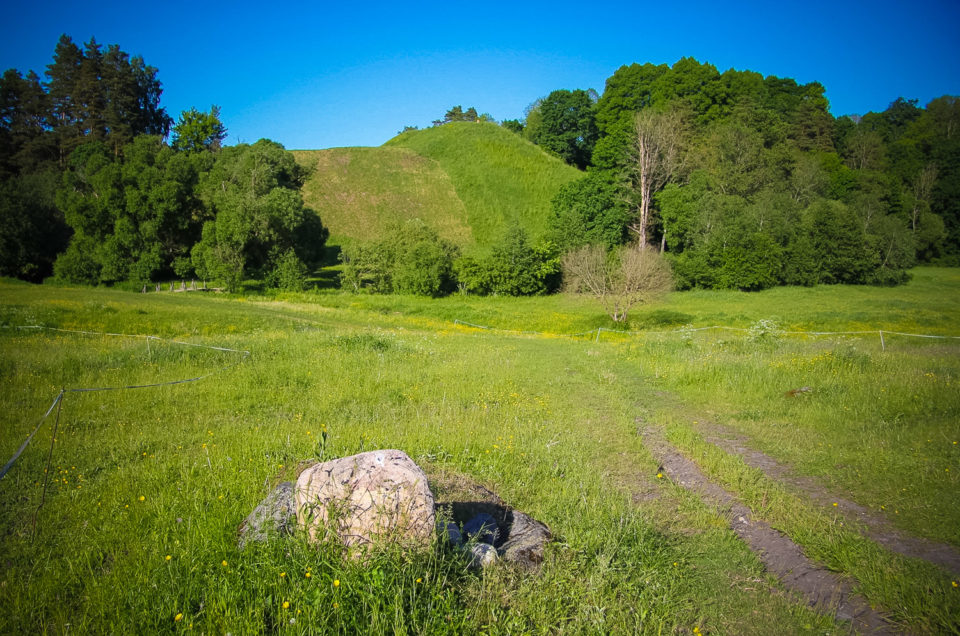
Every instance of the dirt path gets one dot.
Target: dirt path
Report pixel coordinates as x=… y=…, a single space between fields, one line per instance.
x=876 y=526
x=821 y=588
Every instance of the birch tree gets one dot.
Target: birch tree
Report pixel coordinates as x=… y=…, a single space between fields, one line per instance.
x=656 y=155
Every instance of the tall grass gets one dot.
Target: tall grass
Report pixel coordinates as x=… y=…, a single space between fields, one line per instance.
x=548 y=423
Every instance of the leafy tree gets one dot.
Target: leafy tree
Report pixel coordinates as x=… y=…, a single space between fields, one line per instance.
x=839 y=242
x=258 y=214
x=567 y=127
x=199 y=131
x=513 y=125
x=458 y=114
x=133 y=216
x=590 y=210
x=32 y=229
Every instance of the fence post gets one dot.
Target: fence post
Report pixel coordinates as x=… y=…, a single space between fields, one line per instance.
x=598 y=334
x=883 y=345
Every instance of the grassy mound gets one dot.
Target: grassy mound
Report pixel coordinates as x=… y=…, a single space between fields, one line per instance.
x=468 y=181
x=501 y=178
x=357 y=191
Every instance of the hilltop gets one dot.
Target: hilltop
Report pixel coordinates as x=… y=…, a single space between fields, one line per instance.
x=467 y=180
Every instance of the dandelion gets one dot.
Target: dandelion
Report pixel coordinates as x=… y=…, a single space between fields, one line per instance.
x=224 y=563
x=178 y=617
x=835 y=504
x=286 y=605
x=336 y=605
x=336 y=582
x=659 y=475
x=283 y=574
x=419 y=580
x=142 y=498
x=954 y=584
x=167 y=558
x=307 y=575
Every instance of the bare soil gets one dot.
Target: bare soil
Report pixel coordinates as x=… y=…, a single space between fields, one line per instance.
x=822 y=589
x=874 y=525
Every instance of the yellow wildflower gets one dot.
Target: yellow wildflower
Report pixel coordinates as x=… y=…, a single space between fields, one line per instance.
x=168 y=557
x=286 y=604
x=336 y=582
x=178 y=617
x=224 y=563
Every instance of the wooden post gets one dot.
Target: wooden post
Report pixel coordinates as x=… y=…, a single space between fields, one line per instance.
x=883 y=345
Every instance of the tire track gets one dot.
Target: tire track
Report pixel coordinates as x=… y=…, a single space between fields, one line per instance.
x=876 y=527
x=825 y=591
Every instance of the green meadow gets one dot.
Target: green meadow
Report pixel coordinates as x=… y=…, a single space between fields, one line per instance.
x=142 y=490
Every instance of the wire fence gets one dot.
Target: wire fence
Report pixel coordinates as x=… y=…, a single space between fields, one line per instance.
x=595 y=333
x=242 y=355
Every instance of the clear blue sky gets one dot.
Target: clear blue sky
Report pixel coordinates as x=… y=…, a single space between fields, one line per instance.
x=320 y=75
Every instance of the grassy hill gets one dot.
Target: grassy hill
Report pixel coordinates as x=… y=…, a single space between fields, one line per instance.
x=358 y=190
x=468 y=180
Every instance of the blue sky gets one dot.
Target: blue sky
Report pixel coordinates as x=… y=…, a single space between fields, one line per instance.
x=319 y=75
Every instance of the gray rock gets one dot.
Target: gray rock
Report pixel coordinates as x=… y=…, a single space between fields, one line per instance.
x=275 y=516
x=525 y=541
x=453 y=534
x=374 y=497
x=482 y=527
x=481 y=555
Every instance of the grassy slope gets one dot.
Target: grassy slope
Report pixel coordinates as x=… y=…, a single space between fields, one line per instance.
x=357 y=191
x=549 y=423
x=469 y=181
x=500 y=177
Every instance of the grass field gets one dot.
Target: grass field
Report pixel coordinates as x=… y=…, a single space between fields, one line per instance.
x=137 y=532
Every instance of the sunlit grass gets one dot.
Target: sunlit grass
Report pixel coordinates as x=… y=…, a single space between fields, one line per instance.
x=549 y=423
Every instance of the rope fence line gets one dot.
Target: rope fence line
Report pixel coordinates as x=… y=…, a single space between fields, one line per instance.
x=243 y=355
x=599 y=330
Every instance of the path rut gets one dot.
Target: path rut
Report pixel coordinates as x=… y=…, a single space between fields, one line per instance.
x=822 y=589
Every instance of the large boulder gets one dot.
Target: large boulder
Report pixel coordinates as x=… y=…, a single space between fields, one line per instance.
x=374 y=497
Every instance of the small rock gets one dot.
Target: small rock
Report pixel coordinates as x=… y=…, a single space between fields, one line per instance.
x=481 y=555
x=274 y=515
x=525 y=542
x=453 y=535
x=483 y=528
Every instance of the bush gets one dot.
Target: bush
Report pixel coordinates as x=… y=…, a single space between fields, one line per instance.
x=289 y=273
x=514 y=268
x=412 y=259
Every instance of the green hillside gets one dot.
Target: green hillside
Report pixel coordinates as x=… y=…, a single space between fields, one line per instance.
x=467 y=180
x=357 y=191
x=500 y=177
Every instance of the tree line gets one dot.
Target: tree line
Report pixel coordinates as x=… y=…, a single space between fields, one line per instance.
x=740 y=181
x=91 y=192
x=746 y=182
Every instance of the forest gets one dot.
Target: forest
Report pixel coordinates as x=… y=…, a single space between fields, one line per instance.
x=740 y=181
